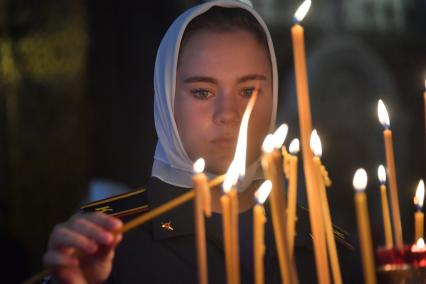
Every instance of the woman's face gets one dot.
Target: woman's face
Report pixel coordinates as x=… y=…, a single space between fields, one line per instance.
x=216 y=75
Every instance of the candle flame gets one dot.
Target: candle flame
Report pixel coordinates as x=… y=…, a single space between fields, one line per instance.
x=268 y=144
x=315 y=143
x=237 y=168
x=263 y=192
x=302 y=11
x=383 y=114
x=279 y=135
x=420 y=195
x=294 y=147
x=360 y=180
x=199 y=165
x=381 y=173
x=420 y=243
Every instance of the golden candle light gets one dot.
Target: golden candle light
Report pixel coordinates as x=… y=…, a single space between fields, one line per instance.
x=419 y=216
x=381 y=173
x=419 y=246
x=259 y=220
x=230 y=223
x=226 y=227
x=201 y=188
x=292 y=194
x=316 y=148
x=390 y=161
x=236 y=171
x=364 y=231
x=271 y=168
x=305 y=125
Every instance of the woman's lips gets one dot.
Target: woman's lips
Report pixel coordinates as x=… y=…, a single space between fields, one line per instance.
x=224 y=141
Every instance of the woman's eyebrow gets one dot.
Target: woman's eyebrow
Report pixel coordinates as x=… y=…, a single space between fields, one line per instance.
x=251 y=77
x=195 y=79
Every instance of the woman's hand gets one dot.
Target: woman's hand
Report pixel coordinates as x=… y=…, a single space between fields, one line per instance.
x=81 y=250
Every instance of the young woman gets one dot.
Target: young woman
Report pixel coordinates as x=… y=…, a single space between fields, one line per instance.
x=208 y=65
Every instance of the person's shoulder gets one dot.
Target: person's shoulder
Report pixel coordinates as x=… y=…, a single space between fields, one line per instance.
x=126 y=204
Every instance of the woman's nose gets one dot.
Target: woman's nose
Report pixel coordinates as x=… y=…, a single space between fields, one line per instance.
x=226 y=109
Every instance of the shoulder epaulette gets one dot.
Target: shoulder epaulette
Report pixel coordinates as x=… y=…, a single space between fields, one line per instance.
x=120 y=205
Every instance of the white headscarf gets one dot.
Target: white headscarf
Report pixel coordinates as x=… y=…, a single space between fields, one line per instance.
x=171 y=162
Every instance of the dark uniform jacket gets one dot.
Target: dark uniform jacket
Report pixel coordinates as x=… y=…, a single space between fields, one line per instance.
x=163 y=250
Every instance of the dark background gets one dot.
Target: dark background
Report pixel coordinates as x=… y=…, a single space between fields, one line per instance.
x=76 y=99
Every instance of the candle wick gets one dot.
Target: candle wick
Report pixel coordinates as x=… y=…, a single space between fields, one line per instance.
x=296 y=21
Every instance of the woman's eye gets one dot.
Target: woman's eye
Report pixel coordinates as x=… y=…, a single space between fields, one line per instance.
x=201 y=93
x=247 y=92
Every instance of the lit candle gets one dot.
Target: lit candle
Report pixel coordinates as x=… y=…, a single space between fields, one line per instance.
x=292 y=194
x=201 y=188
x=230 y=223
x=381 y=172
x=235 y=172
x=259 y=220
x=390 y=161
x=364 y=233
x=419 y=246
x=316 y=147
x=226 y=227
x=233 y=198
x=270 y=164
x=305 y=125
x=419 y=216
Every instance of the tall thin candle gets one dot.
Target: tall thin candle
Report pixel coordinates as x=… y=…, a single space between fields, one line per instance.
x=316 y=147
x=305 y=125
x=381 y=172
x=390 y=162
x=259 y=220
x=270 y=164
x=200 y=186
x=292 y=194
x=419 y=215
x=364 y=231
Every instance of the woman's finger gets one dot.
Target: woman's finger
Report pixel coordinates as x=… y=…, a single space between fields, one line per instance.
x=55 y=259
x=107 y=222
x=92 y=231
x=65 y=237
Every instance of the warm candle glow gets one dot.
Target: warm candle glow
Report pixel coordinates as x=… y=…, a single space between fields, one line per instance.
x=237 y=168
x=294 y=147
x=360 y=180
x=199 y=165
x=381 y=173
x=420 y=243
x=315 y=143
x=268 y=144
x=420 y=195
x=240 y=152
x=279 y=135
x=383 y=114
x=263 y=192
x=302 y=11
x=419 y=246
